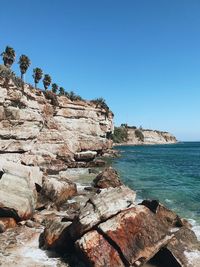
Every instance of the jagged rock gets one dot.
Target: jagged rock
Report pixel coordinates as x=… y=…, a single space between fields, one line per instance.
x=56 y=235
x=168 y=217
x=85 y=155
x=107 y=178
x=102 y=206
x=184 y=243
x=58 y=191
x=18 y=194
x=97 y=251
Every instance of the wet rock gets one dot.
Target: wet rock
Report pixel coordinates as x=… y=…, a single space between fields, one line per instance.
x=58 y=191
x=107 y=178
x=183 y=245
x=85 y=155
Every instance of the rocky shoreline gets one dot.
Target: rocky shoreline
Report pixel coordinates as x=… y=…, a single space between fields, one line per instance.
x=131 y=135
x=60 y=206
x=97 y=223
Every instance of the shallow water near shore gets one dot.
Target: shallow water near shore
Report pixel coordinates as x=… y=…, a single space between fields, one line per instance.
x=169 y=173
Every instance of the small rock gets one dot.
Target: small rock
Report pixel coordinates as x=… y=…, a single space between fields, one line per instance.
x=85 y=155
x=30 y=224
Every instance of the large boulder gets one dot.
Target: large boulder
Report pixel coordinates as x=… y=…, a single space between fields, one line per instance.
x=58 y=191
x=18 y=195
x=137 y=233
x=55 y=235
x=96 y=251
x=107 y=178
x=102 y=206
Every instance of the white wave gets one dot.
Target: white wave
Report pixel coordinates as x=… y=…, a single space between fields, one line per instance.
x=193 y=257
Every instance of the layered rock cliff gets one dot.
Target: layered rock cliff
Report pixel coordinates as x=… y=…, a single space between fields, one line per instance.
x=137 y=136
x=50 y=131
x=142 y=136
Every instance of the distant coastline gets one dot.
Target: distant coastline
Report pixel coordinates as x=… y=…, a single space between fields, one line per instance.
x=131 y=135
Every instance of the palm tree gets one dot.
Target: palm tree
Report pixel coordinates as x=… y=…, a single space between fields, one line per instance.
x=37 y=75
x=46 y=81
x=24 y=64
x=62 y=91
x=8 y=56
x=54 y=88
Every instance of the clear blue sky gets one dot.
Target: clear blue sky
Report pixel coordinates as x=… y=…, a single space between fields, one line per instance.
x=142 y=56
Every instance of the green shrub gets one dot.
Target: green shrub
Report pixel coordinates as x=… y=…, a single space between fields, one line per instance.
x=120 y=135
x=139 y=135
x=7 y=74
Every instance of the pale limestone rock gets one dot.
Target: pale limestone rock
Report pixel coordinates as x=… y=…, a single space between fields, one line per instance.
x=85 y=155
x=31 y=126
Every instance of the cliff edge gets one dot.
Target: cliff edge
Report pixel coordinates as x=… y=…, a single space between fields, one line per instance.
x=42 y=129
x=137 y=136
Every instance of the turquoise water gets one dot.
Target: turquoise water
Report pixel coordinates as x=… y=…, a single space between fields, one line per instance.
x=169 y=173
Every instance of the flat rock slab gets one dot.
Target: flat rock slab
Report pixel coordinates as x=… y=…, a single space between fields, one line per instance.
x=137 y=233
x=102 y=206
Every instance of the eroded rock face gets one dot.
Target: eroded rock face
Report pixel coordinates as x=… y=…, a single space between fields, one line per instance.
x=49 y=136
x=107 y=178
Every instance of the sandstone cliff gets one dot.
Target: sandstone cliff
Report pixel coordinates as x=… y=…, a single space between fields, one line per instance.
x=52 y=132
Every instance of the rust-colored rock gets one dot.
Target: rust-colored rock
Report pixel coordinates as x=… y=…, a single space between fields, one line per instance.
x=97 y=252
x=102 y=206
x=168 y=217
x=107 y=178
x=137 y=233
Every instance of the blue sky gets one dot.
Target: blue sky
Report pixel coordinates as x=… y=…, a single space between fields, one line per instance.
x=142 y=56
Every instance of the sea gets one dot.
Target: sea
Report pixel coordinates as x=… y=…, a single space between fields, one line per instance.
x=168 y=173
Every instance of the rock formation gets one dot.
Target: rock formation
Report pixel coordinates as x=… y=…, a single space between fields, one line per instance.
x=148 y=137
x=42 y=136
x=50 y=131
